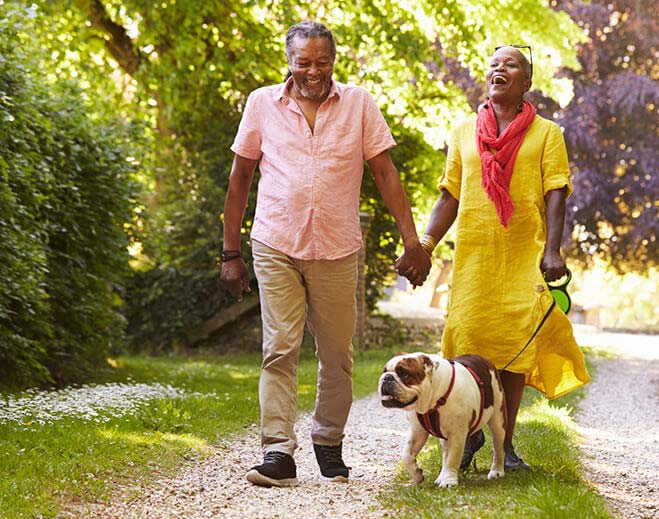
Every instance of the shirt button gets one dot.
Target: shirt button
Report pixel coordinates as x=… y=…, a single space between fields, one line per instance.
x=540 y=288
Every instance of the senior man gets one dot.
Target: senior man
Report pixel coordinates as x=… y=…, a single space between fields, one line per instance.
x=310 y=136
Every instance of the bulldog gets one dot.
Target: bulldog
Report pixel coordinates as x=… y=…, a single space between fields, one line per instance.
x=449 y=399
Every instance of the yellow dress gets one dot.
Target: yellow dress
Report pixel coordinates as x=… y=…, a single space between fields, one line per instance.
x=498 y=295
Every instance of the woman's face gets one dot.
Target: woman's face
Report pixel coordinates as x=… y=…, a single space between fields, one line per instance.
x=507 y=76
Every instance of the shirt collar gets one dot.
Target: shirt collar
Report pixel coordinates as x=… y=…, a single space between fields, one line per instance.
x=281 y=92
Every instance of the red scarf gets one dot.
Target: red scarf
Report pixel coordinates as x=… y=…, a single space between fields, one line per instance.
x=497 y=168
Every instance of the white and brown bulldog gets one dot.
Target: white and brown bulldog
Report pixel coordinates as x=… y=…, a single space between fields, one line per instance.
x=450 y=399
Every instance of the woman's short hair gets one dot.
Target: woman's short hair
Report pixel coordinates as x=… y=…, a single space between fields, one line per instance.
x=308 y=29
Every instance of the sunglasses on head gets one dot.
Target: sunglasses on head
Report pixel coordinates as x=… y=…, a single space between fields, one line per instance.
x=520 y=47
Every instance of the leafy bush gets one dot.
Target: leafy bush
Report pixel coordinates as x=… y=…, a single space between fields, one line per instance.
x=65 y=195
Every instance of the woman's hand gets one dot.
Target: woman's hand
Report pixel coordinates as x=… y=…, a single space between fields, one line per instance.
x=414 y=264
x=553 y=266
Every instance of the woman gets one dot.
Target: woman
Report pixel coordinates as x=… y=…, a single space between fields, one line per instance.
x=506 y=181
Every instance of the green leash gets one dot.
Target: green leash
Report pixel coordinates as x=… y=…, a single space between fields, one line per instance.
x=561 y=298
x=553 y=304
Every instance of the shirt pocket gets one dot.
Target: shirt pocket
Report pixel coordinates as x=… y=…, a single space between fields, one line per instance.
x=343 y=144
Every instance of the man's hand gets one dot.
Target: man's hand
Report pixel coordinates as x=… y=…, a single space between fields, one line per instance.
x=235 y=278
x=414 y=264
x=553 y=266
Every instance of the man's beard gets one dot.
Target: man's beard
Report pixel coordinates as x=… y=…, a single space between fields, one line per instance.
x=313 y=94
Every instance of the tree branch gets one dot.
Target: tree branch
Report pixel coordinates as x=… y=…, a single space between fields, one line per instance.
x=119 y=44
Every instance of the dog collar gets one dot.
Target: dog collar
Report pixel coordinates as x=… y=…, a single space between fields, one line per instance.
x=430 y=420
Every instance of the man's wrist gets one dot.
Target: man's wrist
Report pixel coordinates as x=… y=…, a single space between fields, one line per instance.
x=228 y=255
x=411 y=242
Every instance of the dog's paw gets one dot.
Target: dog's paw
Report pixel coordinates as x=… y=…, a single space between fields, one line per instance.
x=446 y=482
x=494 y=474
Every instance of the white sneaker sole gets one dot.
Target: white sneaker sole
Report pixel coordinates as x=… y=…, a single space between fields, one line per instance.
x=256 y=478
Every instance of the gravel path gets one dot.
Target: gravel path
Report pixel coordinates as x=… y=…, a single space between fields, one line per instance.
x=618 y=420
x=619 y=424
x=217 y=487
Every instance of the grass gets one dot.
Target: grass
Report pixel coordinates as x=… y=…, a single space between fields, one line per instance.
x=75 y=459
x=70 y=458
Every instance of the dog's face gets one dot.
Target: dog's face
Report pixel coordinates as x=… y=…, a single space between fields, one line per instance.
x=404 y=379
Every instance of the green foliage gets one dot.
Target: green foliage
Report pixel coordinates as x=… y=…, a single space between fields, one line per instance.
x=65 y=194
x=186 y=70
x=611 y=132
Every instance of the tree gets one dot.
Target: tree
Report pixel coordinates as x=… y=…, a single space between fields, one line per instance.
x=611 y=132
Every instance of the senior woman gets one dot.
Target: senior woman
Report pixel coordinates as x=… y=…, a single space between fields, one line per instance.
x=506 y=181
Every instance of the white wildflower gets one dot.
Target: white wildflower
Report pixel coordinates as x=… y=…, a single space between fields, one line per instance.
x=87 y=403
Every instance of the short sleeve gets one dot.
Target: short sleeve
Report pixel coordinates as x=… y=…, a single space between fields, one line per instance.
x=376 y=133
x=555 y=164
x=452 y=178
x=248 y=138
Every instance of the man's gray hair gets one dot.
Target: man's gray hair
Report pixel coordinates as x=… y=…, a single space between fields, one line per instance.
x=308 y=29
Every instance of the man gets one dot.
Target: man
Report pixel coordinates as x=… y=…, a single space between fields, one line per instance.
x=310 y=137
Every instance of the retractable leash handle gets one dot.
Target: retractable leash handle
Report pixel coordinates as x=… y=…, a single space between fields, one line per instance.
x=558 y=290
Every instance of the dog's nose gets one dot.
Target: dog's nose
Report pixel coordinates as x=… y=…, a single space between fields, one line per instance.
x=388 y=377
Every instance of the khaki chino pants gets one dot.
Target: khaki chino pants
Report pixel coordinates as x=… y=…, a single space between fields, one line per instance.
x=322 y=292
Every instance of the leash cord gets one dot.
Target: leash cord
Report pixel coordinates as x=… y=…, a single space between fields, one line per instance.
x=553 y=304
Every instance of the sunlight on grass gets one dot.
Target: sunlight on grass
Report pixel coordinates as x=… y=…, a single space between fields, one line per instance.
x=543 y=413
x=150 y=438
x=236 y=375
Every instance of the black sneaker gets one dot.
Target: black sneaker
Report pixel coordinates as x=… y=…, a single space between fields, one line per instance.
x=512 y=461
x=278 y=470
x=472 y=445
x=331 y=463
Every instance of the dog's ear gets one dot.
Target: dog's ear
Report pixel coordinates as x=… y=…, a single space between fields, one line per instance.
x=411 y=371
x=427 y=363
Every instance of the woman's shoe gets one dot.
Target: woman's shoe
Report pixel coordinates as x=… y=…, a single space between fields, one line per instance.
x=473 y=443
x=512 y=461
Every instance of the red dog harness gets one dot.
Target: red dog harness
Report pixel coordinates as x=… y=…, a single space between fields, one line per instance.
x=430 y=420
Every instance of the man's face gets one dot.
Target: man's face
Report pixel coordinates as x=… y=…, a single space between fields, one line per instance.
x=311 y=63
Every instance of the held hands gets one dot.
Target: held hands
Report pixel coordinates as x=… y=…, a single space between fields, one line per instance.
x=235 y=278
x=414 y=264
x=553 y=266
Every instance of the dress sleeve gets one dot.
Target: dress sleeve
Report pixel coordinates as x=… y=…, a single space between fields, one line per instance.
x=452 y=178
x=555 y=164
x=376 y=133
x=248 y=138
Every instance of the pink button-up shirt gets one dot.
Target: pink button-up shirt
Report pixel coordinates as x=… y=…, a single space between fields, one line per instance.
x=308 y=195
